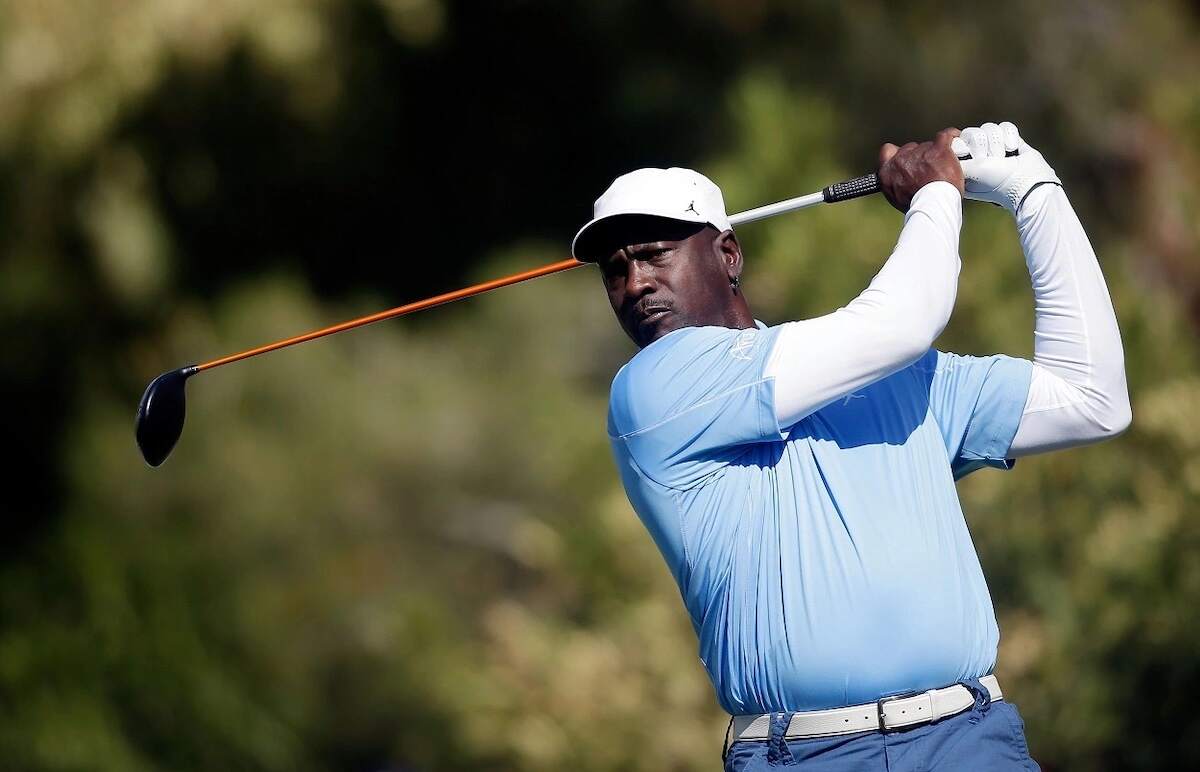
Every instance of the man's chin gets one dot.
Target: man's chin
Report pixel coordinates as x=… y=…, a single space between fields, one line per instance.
x=646 y=333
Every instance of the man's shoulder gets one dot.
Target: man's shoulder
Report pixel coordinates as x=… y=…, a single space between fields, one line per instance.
x=676 y=348
x=679 y=369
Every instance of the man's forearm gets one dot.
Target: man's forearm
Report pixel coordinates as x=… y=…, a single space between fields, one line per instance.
x=1078 y=392
x=887 y=327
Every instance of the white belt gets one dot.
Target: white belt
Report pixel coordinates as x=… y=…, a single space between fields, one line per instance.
x=887 y=713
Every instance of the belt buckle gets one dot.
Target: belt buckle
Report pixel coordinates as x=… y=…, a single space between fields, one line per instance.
x=891 y=698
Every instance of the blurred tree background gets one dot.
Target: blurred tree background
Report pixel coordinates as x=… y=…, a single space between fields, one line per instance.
x=406 y=548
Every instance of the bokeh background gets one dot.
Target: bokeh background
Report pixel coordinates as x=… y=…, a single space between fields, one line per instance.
x=406 y=548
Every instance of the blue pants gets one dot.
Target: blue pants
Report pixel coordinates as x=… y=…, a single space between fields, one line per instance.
x=987 y=737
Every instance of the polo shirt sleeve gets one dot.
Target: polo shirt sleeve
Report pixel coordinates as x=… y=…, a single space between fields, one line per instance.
x=694 y=400
x=977 y=403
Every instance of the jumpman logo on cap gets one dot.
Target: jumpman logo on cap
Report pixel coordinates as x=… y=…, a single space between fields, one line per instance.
x=692 y=208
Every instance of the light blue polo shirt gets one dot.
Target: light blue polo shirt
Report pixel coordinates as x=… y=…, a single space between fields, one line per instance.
x=827 y=563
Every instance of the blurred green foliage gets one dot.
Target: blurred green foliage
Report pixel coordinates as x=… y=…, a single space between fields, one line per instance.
x=406 y=548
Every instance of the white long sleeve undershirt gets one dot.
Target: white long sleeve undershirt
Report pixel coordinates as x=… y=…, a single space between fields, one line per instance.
x=1078 y=392
x=887 y=327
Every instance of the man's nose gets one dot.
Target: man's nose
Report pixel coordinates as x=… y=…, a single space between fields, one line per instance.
x=639 y=279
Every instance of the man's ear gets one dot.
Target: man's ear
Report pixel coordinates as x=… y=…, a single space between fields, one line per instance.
x=726 y=245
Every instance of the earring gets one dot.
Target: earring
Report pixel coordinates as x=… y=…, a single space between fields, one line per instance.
x=735 y=282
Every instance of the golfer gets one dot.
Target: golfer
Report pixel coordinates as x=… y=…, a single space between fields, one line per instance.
x=799 y=478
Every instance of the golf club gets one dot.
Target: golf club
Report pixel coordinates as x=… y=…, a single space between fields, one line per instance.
x=161 y=412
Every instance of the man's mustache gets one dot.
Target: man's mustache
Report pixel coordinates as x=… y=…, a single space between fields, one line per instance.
x=644 y=308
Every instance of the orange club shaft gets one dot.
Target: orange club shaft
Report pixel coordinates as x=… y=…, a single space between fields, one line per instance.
x=391 y=313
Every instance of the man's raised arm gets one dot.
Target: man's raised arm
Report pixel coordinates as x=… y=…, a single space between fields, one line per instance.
x=896 y=319
x=1077 y=393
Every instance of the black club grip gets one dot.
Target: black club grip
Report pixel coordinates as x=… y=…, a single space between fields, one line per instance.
x=848 y=189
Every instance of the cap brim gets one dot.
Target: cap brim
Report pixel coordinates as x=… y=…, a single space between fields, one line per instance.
x=579 y=245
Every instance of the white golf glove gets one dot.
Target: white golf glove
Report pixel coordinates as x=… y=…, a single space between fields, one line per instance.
x=1000 y=167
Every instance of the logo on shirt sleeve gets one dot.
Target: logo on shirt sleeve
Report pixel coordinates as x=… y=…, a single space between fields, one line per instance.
x=743 y=345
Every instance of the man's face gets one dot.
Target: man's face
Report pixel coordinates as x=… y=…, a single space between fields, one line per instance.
x=661 y=274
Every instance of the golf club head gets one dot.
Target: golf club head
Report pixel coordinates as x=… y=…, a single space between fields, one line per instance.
x=160 y=415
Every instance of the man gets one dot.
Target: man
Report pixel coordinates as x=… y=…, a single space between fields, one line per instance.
x=799 y=479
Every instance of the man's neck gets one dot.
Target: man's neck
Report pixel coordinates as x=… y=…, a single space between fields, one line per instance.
x=737 y=314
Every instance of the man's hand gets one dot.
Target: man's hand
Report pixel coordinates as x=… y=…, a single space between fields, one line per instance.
x=905 y=170
x=999 y=166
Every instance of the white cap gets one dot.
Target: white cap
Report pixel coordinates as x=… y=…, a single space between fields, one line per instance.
x=675 y=193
